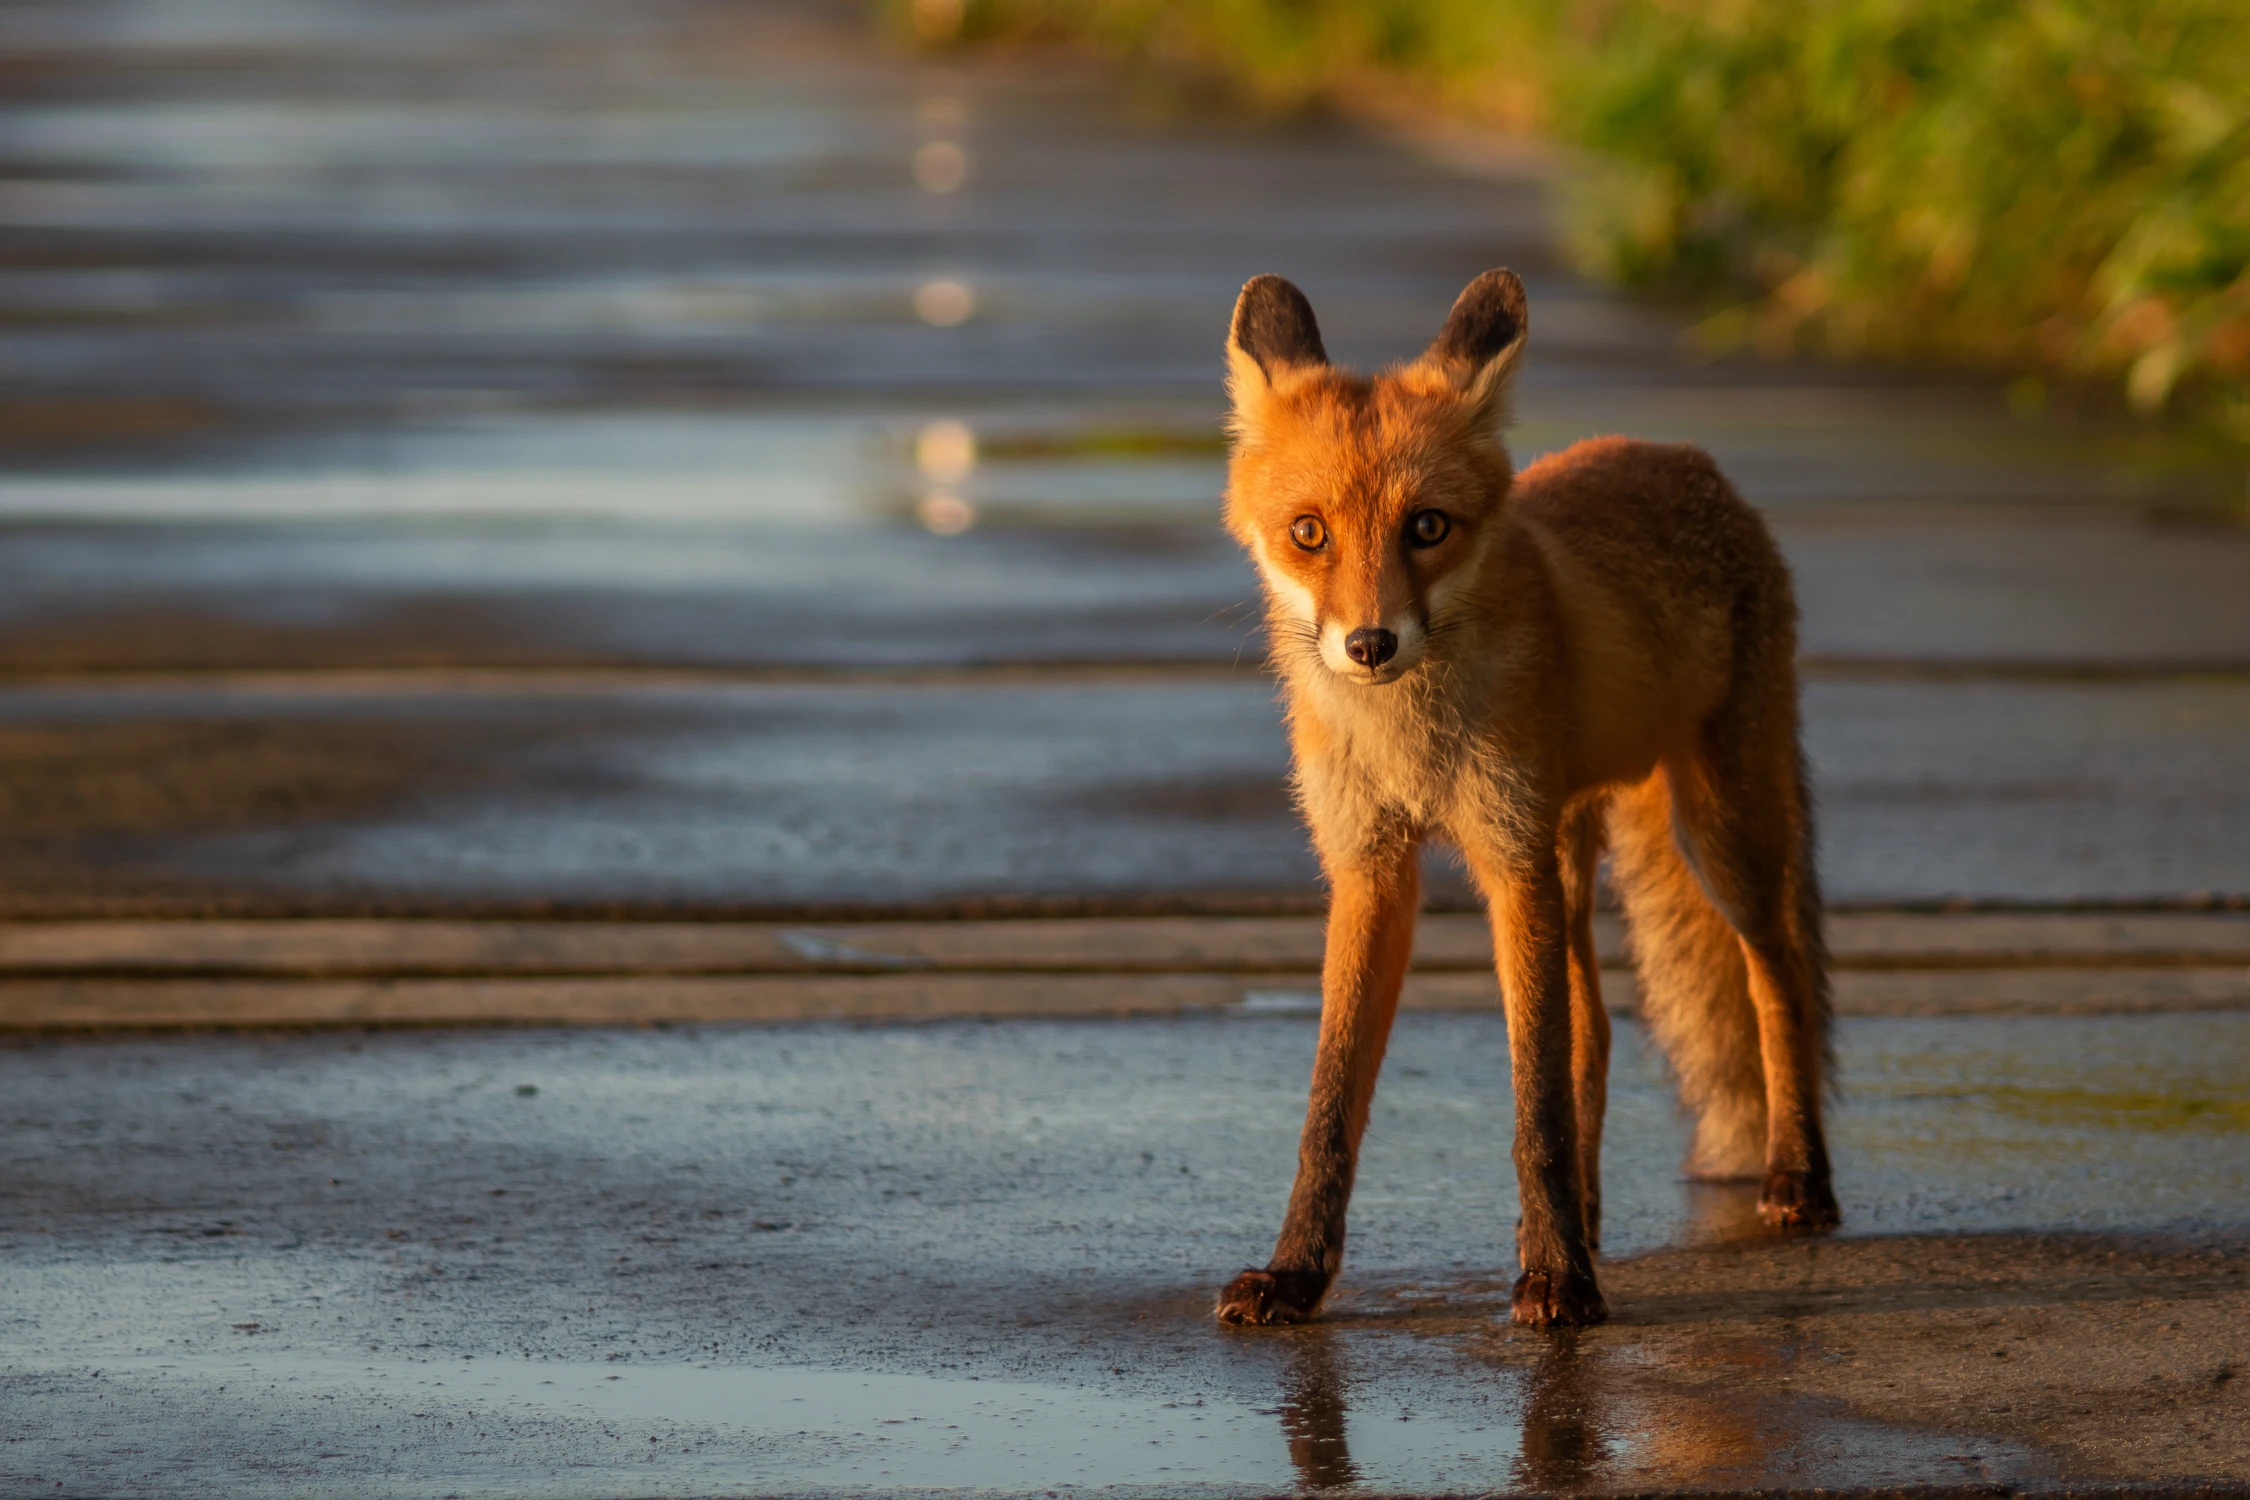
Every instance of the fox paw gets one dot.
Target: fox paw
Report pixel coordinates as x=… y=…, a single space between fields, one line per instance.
x=1558 y=1299
x=1256 y=1299
x=1798 y=1200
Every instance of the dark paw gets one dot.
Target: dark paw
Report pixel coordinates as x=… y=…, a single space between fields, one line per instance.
x=1558 y=1299
x=1798 y=1200
x=1258 y=1298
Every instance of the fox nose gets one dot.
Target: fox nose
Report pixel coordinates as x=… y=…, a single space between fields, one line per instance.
x=1370 y=646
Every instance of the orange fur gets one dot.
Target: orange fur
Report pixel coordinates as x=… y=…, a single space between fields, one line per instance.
x=1597 y=653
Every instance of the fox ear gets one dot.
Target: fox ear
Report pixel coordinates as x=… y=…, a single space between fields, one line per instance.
x=1274 y=337
x=1477 y=351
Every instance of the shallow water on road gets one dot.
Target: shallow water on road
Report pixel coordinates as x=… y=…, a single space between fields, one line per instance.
x=793 y=1430
x=589 y=338
x=268 y=1264
x=789 y=1430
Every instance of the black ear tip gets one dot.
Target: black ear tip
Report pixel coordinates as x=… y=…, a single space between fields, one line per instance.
x=1499 y=288
x=1501 y=285
x=1270 y=291
x=1488 y=316
x=1274 y=324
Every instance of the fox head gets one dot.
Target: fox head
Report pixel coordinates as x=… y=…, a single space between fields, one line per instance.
x=1368 y=504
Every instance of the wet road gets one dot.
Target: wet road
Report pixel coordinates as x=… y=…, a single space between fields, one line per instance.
x=341 y=795
x=686 y=459
x=527 y=357
x=799 y=1259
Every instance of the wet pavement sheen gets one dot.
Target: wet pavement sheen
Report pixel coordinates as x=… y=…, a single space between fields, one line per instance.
x=332 y=795
x=692 y=457
x=815 y=1258
x=577 y=340
x=586 y=345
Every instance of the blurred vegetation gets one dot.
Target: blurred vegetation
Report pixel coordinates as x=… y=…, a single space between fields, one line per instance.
x=2057 y=187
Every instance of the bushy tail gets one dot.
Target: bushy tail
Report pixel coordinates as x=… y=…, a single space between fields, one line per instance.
x=1694 y=985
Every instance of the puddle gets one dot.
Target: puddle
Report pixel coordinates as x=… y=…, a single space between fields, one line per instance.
x=578 y=465
x=1045 y=1205
x=1570 y=1419
x=809 y=1429
x=466 y=453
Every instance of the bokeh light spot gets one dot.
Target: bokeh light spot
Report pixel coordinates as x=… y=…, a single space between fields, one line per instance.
x=944 y=513
x=940 y=167
x=945 y=451
x=944 y=303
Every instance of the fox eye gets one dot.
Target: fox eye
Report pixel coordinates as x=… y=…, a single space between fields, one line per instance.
x=1308 y=533
x=1428 y=527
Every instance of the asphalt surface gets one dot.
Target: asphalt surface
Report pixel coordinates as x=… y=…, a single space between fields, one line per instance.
x=337 y=795
x=807 y=1259
x=536 y=354
x=696 y=459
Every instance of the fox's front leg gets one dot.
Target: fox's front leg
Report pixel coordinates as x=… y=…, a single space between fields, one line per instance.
x=1531 y=945
x=1370 y=935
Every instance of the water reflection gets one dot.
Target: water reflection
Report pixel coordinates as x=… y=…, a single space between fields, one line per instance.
x=945 y=452
x=1565 y=1422
x=1313 y=1405
x=1722 y=1213
x=1435 y=1390
x=1565 y=1440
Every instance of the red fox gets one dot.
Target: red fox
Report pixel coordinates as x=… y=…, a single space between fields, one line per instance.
x=1595 y=655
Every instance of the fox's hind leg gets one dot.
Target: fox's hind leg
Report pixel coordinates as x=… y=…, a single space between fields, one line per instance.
x=1743 y=810
x=1580 y=851
x=1694 y=986
x=1531 y=948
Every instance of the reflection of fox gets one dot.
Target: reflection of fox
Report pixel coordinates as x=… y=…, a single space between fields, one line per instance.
x=1596 y=654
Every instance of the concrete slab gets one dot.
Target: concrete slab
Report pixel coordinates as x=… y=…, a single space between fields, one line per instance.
x=167 y=1003
x=541 y=592
x=569 y=340
x=835 y=1260
x=407 y=276
x=2045 y=592
x=329 y=972
x=404 y=393
x=213 y=948
x=327 y=795
x=1891 y=590
x=225 y=235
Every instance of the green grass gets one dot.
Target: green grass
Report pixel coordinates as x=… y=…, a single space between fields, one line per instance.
x=2054 y=187
x=2125 y=1108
